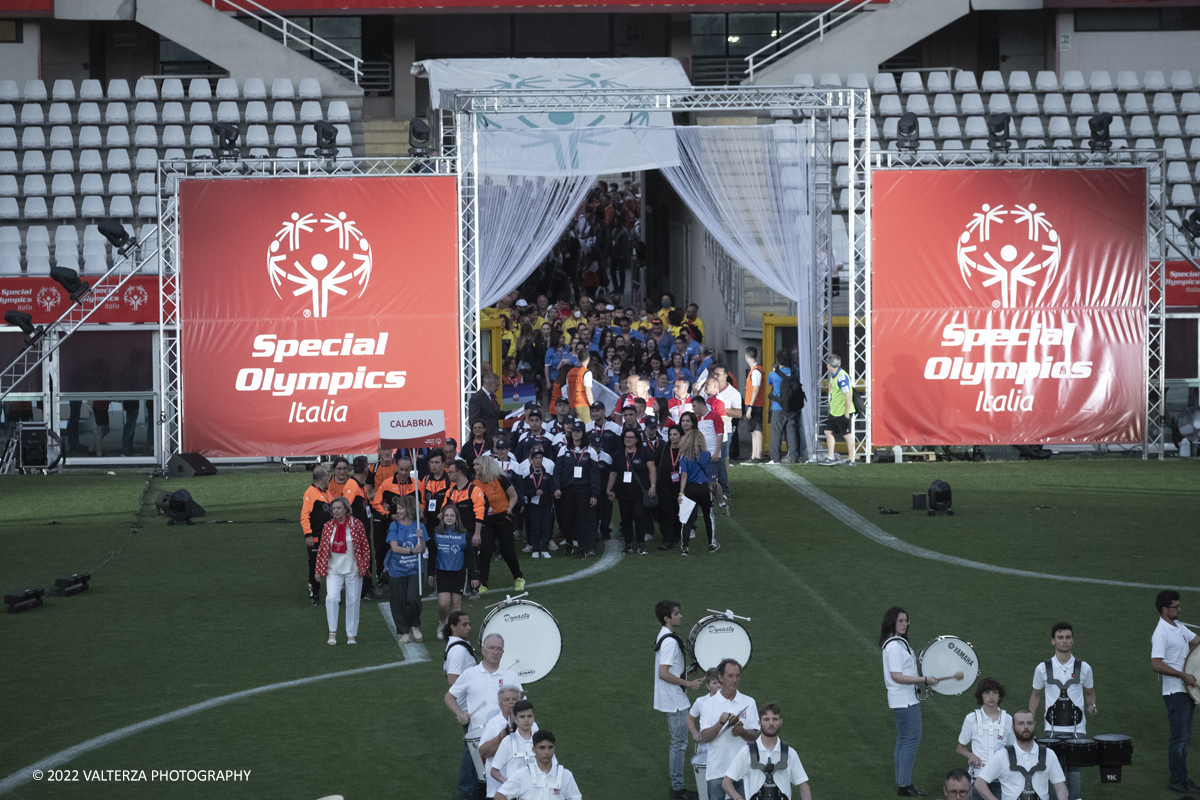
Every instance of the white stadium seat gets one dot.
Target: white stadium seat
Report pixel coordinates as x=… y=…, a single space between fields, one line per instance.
x=172 y=89
x=1082 y=104
x=8 y=138
x=911 y=82
x=201 y=136
x=1053 y=103
x=8 y=92
x=8 y=161
x=830 y=79
x=344 y=138
x=1031 y=127
x=199 y=89
x=1183 y=195
x=889 y=106
x=227 y=89
x=63 y=185
x=147 y=158
x=1178 y=172
x=89 y=136
x=284 y=136
x=338 y=111
x=33 y=138
x=200 y=113
x=10 y=234
x=35 y=207
x=118 y=89
x=855 y=80
x=31 y=114
x=145 y=183
x=91 y=183
x=282 y=89
x=917 y=104
x=93 y=206
x=256 y=111
x=804 y=79
x=8 y=115
x=992 y=81
x=1100 y=81
x=38 y=266
x=1046 y=81
x=948 y=128
x=1168 y=125
x=117 y=136
x=938 y=82
x=1135 y=103
x=35 y=92
x=227 y=111
x=1072 y=81
x=256 y=136
x=32 y=186
x=885 y=83
x=1164 y=103
x=1107 y=103
x=310 y=111
x=253 y=89
x=95 y=265
x=173 y=136
x=8 y=208
x=172 y=113
x=999 y=104
x=284 y=111
x=944 y=105
x=1181 y=81
x=60 y=113
x=148 y=207
x=91 y=89
x=145 y=114
x=64 y=90
x=1018 y=81
x=972 y=104
x=145 y=136
x=310 y=89
x=1060 y=127
x=115 y=113
x=976 y=128
x=33 y=161
x=61 y=138
x=1027 y=104
x=120 y=207
x=118 y=183
x=8 y=185
x=1191 y=126
x=1189 y=103
x=1127 y=81
x=1140 y=126
x=145 y=89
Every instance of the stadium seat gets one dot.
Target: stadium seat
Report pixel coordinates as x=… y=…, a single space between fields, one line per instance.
x=944 y=105
x=32 y=186
x=841 y=153
x=200 y=113
x=35 y=207
x=1081 y=103
x=173 y=154
x=201 y=136
x=948 y=128
x=1027 y=104
x=1181 y=81
x=1107 y=103
x=256 y=136
x=148 y=207
x=889 y=106
x=8 y=138
x=1144 y=144
x=344 y=138
x=8 y=92
x=1100 y=81
x=911 y=82
x=1168 y=125
x=67 y=260
x=117 y=136
x=827 y=79
x=256 y=111
x=938 y=82
x=10 y=266
x=8 y=208
x=91 y=89
x=91 y=183
x=64 y=91
x=145 y=136
x=146 y=89
x=227 y=111
x=288 y=152
x=1189 y=103
x=972 y=104
x=8 y=115
x=917 y=104
x=116 y=113
x=172 y=89
x=147 y=159
x=1191 y=126
x=310 y=111
x=1140 y=126
x=118 y=183
x=282 y=89
x=253 y=89
x=35 y=92
x=120 y=207
x=33 y=161
x=992 y=81
x=308 y=135
x=66 y=235
x=94 y=265
x=8 y=161
x=284 y=136
x=1117 y=128
x=1183 y=195
x=10 y=234
x=37 y=267
x=145 y=183
x=227 y=89
x=310 y=89
x=1072 y=81
x=885 y=83
x=200 y=89
x=118 y=89
x=999 y=104
x=1031 y=127
x=93 y=206
x=63 y=185
x=8 y=185
x=284 y=111
x=1053 y=103
x=1018 y=81
x=803 y=79
x=339 y=111
x=1127 y=81
x=1046 y=81
x=1060 y=127
x=976 y=128
x=1178 y=172
x=1135 y=103
x=173 y=136
x=172 y=113
x=31 y=114
x=33 y=138
x=89 y=136
x=202 y=152
x=855 y=80
x=1164 y=103
x=61 y=138
x=60 y=113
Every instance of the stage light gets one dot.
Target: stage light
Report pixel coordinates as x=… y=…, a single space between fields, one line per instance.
x=182 y=508
x=69 y=280
x=998 y=132
x=228 y=134
x=66 y=587
x=19 y=319
x=419 y=137
x=1101 y=141
x=1191 y=225
x=326 y=138
x=117 y=236
x=30 y=598
x=906 y=132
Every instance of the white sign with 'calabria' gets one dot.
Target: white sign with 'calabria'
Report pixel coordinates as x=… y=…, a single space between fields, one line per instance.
x=412 y=428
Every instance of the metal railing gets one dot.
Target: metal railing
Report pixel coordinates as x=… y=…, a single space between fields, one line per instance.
x=377 y=76
x=816 y=28
x=287 y=29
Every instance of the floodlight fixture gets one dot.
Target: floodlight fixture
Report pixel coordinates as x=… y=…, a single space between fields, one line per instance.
x=19 y=319
x=181 y=508
x=1191 y=224
x=419 y=137
x=326 y=139
x=69 y=280
x=1101 y=141
x=906 y=132
x=67 y=587
x=228 y=135
x=998 y=125
x=117 y=236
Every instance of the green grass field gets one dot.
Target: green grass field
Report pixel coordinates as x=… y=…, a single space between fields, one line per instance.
x=185 y=614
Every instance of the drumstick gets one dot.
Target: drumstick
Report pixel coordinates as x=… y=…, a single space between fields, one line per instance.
x=958 y=676
x=728 y=613
x=507 y=599
x=1190 y=625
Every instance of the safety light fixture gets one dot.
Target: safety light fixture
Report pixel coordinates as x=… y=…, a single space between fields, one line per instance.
x=19 y=319
x=69 y=280
x=1101 y=141
x=228 y=134
x=117 y=236
x=906 y=132
x=23 y=601
x=326 y=139
x=1191 y=225
x=67 y=587
x=998 y=132
x=419 y=137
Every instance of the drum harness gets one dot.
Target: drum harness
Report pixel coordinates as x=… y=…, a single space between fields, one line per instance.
x=769 y=790
x=990 y=731
x=1028 y=793
x=465 y=644
x=546 y=787
x=1064 y=708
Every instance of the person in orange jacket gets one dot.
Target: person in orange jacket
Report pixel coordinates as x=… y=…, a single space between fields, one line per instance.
x=314 y=513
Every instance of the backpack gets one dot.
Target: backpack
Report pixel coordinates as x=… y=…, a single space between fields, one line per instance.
x=791 y=395
x=860 y=402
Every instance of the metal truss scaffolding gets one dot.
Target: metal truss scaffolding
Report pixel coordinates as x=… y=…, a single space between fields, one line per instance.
x=1152 y=161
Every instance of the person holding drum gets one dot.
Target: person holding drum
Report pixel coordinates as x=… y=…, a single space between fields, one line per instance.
x=748 y=769
x=455 y=563
x=1025 y=770
x=494 y=732
x=474 y=699
x=459 y=657
x=723 y=721
x=1068 y=683
x=515 y=751
x=986 y=729
x=899 y=677
x=1170 y=647
x=544 y=778
x=669 y=685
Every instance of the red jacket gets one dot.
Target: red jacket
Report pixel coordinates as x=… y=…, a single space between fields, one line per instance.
x=358 y=535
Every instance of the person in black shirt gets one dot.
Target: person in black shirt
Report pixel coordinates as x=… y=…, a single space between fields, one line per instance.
x=577 y=489
x=669 y=468
x=538 y=487
x=633 y=473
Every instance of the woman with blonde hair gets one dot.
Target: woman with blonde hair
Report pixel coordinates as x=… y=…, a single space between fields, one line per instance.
x=694 y=485
x=498 y=522
x=343 y=558
x=454 y=562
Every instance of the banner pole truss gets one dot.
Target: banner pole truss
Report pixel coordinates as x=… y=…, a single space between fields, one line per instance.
x=859 y=223
x=1149 y=159
x=820 y=142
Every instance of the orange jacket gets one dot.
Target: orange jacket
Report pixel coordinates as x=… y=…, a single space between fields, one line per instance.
x=354 y=493
x=496 y=494
x=762 y=387
x=576 y=391
x=471 y=503
x=314 y=511
x=385 y=493
x=434 y=489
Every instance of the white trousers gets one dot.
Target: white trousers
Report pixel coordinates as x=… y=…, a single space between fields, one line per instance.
x=333 y=591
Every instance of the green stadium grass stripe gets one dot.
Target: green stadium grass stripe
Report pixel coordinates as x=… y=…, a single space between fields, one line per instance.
x=23 y=776
x=876 y=534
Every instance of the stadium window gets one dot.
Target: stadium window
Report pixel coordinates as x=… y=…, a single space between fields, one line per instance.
x=10 y=31
x=1128 y=20
x=740 y=34
x=175 y=59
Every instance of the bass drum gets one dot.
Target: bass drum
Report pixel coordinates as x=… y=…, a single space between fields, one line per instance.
x=1192 y=667
x=946 y=656
x=717 y=637
x=532 y=640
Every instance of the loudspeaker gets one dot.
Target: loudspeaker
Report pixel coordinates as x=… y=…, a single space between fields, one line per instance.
x=189 y=465
x=919 y=499
x=939 y=498
x=34 y=451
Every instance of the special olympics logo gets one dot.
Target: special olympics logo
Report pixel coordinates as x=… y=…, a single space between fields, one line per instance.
x=48 y=297
x=1019 y=257
x=136 y=297
x=319 y=264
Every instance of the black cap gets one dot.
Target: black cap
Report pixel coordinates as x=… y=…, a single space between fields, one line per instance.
x=562 y=400
x=533 y=412
x=595 y=438
x=598 y=404
x=537 y=451
x=451 y=442
x=532 y=406
x=650 y=422
x=580 y=426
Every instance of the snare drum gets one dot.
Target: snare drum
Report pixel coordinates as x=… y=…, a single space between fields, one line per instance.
x=1192 y=667
x=1055 y=746
x=1114 y=749
x=472 y=741
x=946 y=656
x=699 y=771
x=532 y=640
x=1079 y=752
x=717 y=637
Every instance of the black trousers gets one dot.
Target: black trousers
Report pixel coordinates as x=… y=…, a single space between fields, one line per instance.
x=576 y=518
x=314 y=586
x=668 y=518
x=541 y=520
x=379 y=531
x=604 y=509
x=635 y=517
x=699 y=493
x=497 y=535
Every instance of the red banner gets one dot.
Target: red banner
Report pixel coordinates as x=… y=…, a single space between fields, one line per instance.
x=46 y=301
x=309 y=306
x=1183 y=284
x=1008 y=306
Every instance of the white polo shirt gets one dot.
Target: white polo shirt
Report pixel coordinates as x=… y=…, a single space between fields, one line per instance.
x=754 y=779
x=491 y=730
x=701 y=747
x=1013 y=783
x=985 y=735
x=458 y=659
x=898 y=657
x=722 y=749
x=732 y=399
x=514 y=754
x=667 y=696
x=475 y=690
x=533 y=784
x=1063 y=672
x=1170 y=643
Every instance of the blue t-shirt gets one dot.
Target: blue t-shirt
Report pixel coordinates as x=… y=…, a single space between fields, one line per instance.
x=697 y=471
x=704 y=365
x=554 y=356
x=682 y=372
x=401 y=565
x=450 y=547
x=773 y=380
x=692 y=350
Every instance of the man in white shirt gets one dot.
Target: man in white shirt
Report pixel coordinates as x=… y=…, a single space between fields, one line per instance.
x=1169 y=649
x=669 y=695
x=494 y=731
x=723 y=725
x=1068 y=684
x=766 y=756
x=986 y=729
x=544 y=779
x=957 y=785
x=459 y=656
x=732 y=399
x=516 y=748
x=1023 y=766
x=473 y=699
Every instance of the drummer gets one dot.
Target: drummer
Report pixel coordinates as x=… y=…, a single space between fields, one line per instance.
x=1170 y=647
x=899 y=678
x=986 y=729
x=1068 y=684
x=747 y=767
x=1023 y=767
x=473 y=699
x=669 y=696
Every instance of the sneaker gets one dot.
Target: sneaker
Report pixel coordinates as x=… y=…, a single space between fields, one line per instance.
x=641 y=551
x=827 y=461
x=553 y=546
x=316 y=601
x=692 y=535
x=527 y=548
x=405 y=639
x=416 y=634
x=628 y=549
x=724 y=508
x=368 y=594
x=351 y=640
x=683 y=794
x=580 y=554
x=589 y=553
x=714 y=547
x=440 y=635
x=545 y=554
x=772 y=461
x=332 y=639
x=519 y=584
x=851 y=463
x=683 y=551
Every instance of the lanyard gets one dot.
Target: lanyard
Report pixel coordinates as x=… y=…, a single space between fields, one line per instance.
x=478 y=450
x=629 y=460
x=675 y=459
x=537 y=479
